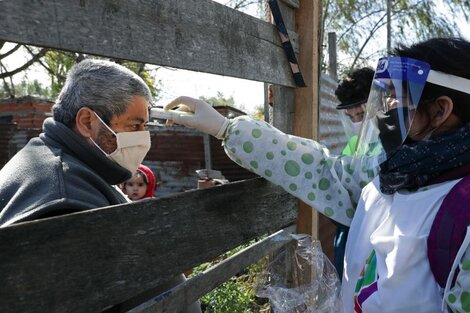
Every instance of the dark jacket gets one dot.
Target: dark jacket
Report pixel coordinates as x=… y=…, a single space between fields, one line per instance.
x=58 y=172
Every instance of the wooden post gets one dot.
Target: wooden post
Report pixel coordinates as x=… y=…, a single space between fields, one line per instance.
x=308 y=23
x=332 y=59
x=207 y=151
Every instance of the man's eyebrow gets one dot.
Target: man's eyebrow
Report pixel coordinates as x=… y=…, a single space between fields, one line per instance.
x=137 y=119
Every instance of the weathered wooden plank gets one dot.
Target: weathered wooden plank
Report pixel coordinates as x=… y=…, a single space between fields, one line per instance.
x=284 y=108
x=199 y=35
x=184 y=294
x=307 y=99
x=292 y=3
x=86 y=261
x=288 y=15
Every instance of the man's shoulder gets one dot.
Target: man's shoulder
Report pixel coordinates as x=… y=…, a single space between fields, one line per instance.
x=30 y=179
x=46 y=180
x=37 y=150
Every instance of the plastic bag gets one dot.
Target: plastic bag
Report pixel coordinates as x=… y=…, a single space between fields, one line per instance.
x=301 y=279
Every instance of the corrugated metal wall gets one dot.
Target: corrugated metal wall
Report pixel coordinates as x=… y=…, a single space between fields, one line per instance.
x=332 y=135
x=331 y=130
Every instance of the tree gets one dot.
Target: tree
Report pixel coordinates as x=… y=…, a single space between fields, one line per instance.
x=360 y=25
x=6 y=76
x=146 y=72
x=259 y=112
x=219 y=100
x=26 y=88
x=57 y=64
x=244 y=5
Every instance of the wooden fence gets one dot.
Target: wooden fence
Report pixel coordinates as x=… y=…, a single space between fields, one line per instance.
x=87 y=261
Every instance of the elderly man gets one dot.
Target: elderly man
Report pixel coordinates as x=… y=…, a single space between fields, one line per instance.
x=100 y=113
x=95 y=140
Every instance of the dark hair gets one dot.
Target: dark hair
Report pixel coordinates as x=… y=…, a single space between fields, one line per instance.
x=447 y=55
x=353 y=90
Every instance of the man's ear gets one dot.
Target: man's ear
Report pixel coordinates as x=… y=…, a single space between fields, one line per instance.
x=83 y=122
x=440 y=111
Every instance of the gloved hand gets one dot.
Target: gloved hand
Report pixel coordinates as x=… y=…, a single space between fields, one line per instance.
x=205 y=117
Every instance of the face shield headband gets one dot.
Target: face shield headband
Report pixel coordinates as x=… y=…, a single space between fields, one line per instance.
x=393 y=100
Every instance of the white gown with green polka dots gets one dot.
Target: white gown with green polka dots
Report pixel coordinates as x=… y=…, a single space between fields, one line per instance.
x=387 y=240
x=303 y=167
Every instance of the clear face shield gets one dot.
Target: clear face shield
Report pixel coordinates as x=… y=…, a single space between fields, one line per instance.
x=395 y=95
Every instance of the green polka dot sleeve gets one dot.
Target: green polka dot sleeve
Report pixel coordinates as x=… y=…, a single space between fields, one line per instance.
x=301 y=166
x=458 y=297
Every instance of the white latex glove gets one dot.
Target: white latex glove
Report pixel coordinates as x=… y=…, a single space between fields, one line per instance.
x=204 y=118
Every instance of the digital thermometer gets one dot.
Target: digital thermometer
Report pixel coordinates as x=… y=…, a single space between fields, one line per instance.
x=167 y=114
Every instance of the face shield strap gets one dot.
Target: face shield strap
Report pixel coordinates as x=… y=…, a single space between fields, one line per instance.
x=449 y=81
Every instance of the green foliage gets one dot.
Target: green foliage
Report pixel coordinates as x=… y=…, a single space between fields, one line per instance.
x=34 y=88
x=259 y=113
x=219 y=100
x=235 y=295
x=246 y=5
x=360 y=26
x=25 y=88
x=232 y=296
x=58 y=64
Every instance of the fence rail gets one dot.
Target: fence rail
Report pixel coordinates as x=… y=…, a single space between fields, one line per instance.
x=184 y=294
x=199 y=35
x=93 y=259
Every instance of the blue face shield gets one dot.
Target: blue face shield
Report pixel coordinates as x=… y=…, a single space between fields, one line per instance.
x=396 y=94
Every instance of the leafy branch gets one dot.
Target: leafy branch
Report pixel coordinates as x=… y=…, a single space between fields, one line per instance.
x=26 y=65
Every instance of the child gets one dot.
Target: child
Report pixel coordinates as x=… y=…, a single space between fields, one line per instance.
x=141 y=185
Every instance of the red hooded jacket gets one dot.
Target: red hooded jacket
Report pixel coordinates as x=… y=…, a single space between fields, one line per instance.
x=152 y=182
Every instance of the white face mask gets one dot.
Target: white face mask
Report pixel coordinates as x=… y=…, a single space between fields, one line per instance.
x=132 y=147
x=356 y=126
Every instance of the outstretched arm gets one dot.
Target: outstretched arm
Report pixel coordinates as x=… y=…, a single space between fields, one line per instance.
x=301 y=166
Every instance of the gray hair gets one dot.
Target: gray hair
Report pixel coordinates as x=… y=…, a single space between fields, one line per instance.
x=105 y=87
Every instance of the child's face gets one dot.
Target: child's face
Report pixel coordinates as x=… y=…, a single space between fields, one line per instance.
x=135 y=188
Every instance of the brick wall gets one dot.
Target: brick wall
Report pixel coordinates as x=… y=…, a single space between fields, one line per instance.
x=25 y=112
